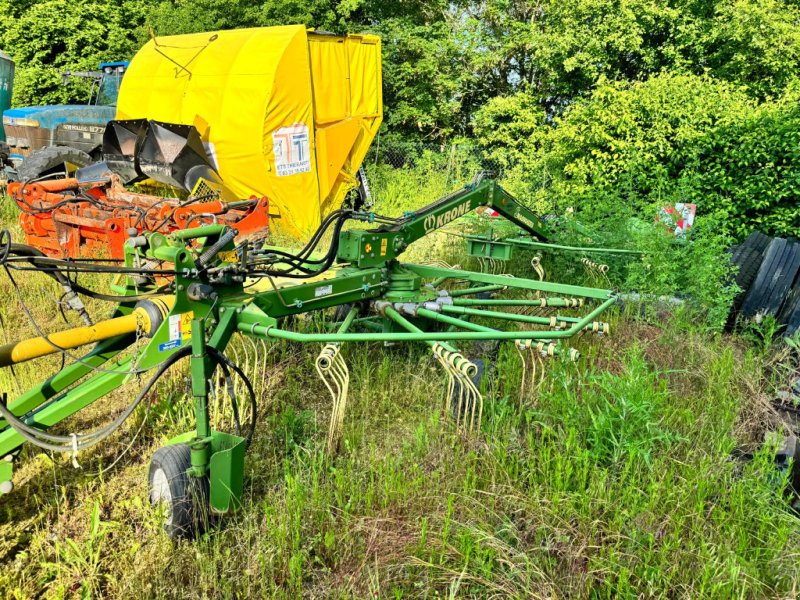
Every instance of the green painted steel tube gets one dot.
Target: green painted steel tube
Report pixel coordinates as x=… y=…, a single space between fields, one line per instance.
x=73 y=400
x=408 y=325
x=495 y=314
x=551 y=302
x=474 y=290
x=461 y=310
x=545 y=246
x=366 y=321
x=514 y=282
x=348 y=320
x=197 y=232
x=455 y=322
x=201 y=372
x=265 y=331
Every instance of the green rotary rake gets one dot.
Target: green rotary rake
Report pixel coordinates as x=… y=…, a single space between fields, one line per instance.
x=186 y=295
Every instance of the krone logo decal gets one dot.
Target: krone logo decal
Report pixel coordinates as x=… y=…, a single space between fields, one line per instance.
x=434 y=222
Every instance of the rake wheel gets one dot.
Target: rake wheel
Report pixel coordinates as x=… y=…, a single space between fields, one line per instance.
x=184 y=498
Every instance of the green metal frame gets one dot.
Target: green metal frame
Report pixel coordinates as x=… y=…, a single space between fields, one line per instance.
x=407 y=310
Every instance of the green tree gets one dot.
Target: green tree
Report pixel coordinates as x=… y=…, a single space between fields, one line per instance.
x=748 y=170
x=47 y=37
x=752 y=43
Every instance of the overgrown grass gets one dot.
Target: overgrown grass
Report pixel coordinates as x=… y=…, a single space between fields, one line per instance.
x=612 y=479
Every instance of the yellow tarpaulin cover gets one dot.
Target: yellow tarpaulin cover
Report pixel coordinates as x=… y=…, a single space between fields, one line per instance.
x=287 y=113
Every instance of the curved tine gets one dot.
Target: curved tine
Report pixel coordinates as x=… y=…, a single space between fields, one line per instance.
x=341 y=381
x=520 y=346
x=439 y=354
x=457 y=376
x=535 y=358
x=340 y=366
x=541 y=372
x=449 y=399
x=472 y=394
x=478 y=401
x=265 y=350
x=466 y=398
x=604 y=273
x=463 y=368
x=254 y=346
x=333 y=427
x=540 y=269
x=323 y=365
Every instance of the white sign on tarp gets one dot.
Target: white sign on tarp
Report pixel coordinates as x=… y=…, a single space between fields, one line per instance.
x=292 y=148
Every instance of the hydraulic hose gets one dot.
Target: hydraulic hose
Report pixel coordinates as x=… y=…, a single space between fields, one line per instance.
x=22 y=250
x=75 y=443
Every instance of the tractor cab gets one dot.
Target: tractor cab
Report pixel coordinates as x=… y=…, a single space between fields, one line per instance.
x=105 y=82
x=76 y=127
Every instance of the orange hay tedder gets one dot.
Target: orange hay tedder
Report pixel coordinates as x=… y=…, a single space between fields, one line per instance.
x=67 y=217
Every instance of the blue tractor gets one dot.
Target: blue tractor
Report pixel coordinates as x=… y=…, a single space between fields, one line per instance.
x=43 y=140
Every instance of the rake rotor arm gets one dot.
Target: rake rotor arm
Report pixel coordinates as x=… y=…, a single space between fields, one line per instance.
x=369 y=248
x=484 y=192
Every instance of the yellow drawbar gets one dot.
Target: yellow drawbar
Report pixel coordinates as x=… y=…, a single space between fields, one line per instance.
x=286 y=113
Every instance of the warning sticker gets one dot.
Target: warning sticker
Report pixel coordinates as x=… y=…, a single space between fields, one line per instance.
x=180 y=330
x=292 y=149
x=186 y=324
x=175 y=329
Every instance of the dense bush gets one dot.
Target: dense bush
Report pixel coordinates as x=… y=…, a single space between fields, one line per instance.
x=631 y=148
x=747 y=170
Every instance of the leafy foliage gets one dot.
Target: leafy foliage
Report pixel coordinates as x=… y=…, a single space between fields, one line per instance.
x=747 y=170
x=47 y=37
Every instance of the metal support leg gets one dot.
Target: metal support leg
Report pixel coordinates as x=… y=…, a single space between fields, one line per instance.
x=201 y=373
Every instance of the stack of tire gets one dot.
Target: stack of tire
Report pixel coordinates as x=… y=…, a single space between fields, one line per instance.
x=769 y=277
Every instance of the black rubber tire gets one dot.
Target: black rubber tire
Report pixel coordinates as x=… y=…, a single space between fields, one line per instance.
x=755 y=241
x=785 y=279
x=769 y=276
x=460 y=413
x=53 y=158
x=748 y=256
x=790 y=311
x=186 y=498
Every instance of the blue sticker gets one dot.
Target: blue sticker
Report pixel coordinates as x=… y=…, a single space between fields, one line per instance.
x=169 y=345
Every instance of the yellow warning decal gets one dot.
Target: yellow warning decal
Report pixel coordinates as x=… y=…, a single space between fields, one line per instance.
x=186 y=324
x=384 y=243
x=229 y=256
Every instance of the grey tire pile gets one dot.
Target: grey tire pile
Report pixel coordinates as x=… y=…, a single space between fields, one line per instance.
x=769 y=277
